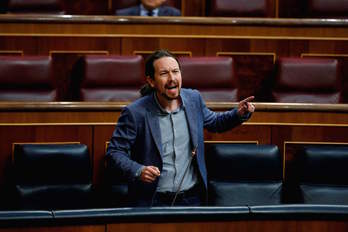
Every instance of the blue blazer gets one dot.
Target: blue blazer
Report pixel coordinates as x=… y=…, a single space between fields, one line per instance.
x=135 y=11
x=136 y=139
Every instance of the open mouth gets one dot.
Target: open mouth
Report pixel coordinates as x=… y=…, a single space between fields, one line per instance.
x=171 y=87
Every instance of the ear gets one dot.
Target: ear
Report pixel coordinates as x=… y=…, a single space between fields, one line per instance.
x=150 y=81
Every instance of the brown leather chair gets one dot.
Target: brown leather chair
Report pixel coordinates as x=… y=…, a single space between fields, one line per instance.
x=327 y=8
x=27 y=78
x=214 y=77
x=238 y=8
x=109 y=78
x=35 y=6
x=307 y=80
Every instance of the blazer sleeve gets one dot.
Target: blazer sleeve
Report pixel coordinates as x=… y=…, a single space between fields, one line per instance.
x=119 y=150
x=220 y=121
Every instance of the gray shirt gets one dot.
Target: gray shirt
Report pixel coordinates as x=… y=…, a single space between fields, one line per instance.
x=176 y=151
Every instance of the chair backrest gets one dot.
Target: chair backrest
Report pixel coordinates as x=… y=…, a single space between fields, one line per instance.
x=35 y=6
x=327 y=8
x=323 y=174
x=238 y=8
x=214 y=77
x=109 y=78
x=244 y=174
x=307 y=80
x=27 y=78
x=52 y=176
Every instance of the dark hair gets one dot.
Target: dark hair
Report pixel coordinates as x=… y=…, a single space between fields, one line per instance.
x=150 y=69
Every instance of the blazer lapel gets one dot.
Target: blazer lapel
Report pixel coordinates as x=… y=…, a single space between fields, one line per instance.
x=153 y=123
x=191 y=116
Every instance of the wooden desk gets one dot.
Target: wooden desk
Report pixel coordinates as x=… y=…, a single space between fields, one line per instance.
x=92 y=123
x=50 y=34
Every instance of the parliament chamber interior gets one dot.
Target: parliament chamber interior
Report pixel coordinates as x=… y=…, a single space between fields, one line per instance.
x=67 y=69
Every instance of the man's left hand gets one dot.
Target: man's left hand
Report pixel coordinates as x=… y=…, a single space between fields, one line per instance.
x=245 y=106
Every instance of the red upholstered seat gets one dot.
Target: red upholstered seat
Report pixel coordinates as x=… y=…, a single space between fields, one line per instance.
x=238 y=8
x=328 y=8
x=214 y=77
x=110 y=78
x=312 y=80
x=27 y=78
x=35 y=6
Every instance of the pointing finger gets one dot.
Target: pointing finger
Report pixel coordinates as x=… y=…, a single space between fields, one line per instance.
x=248 y=99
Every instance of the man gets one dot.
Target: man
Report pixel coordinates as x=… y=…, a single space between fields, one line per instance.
x=149 y=8
x=158 y=141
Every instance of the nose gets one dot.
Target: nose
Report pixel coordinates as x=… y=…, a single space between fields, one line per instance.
x=171 y=75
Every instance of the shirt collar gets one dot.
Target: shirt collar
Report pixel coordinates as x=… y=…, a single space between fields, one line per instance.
x=162 y=111
x=143 y=11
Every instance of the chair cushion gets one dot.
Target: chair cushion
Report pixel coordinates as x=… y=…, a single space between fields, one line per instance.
x=214 y=77
x=35 y=6
x=323 y=174
x=328 y=8
x=107 y=78
x=312 y=80
x=27 y=78
x=239 y=8
x=244 y=174
x=52 y=176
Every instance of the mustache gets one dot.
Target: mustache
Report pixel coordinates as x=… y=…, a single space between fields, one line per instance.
x=171 y=84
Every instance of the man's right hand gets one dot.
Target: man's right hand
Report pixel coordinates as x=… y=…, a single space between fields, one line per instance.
x=149 y=174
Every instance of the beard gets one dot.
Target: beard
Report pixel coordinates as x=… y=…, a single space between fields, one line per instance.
x=169 y=98
x=167 y=86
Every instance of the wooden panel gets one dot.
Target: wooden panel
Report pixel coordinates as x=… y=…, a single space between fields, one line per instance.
x=176 y=45
x=66 y=79
x=261 y=134
x=72 y=228
x=237 y=226
x=102 y=135
x=86 y=7
x=11 y=53
x=291 y=8
x=253 y=71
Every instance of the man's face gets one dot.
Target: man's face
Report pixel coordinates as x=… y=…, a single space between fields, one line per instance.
x=152 y=4
x=167 y=79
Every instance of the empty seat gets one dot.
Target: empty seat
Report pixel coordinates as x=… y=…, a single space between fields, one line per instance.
x=52 y=176
x=323 y=174
x=35 y=6
x=238 y=8
x=327 y=8
x=214 y=77
x=244 y=174
x=109 y=78
x=27 y=78
x=307 y=80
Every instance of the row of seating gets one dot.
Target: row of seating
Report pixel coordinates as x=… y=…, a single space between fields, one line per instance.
x=227 y=8
x=118 y=78
x=58 y=176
